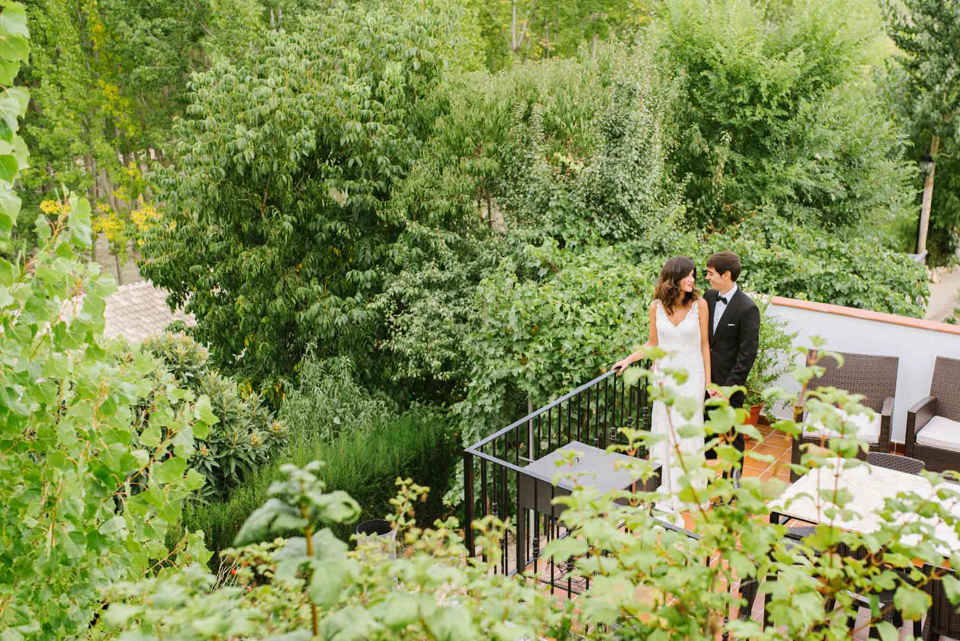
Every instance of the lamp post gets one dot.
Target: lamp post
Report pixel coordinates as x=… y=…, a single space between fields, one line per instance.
x=928 y=166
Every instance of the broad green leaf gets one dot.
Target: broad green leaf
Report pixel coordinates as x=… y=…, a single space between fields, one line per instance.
x=13 y=21
x=911 y=602
x=170 y=471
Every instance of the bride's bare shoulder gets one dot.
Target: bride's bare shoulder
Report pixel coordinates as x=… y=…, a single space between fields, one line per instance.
x=702 y=304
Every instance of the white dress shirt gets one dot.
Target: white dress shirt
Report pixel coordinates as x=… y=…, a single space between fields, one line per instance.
x=721 y=306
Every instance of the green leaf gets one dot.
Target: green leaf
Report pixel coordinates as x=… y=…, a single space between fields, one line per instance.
x=257 y=526
x=8 y=73
x=151 y=436
x=13 y=21
x=21 y=95
x=114 y=525
x=399 y=610
x=951 y=586
x=9 y=210
x=170 y=471
x=194 y=480
x=328 y=580
x=911 y=602
x=452 y=623
x=204 y=412
x=6 y=273
x=887 y=631
x=8 y=168
x=562 y=549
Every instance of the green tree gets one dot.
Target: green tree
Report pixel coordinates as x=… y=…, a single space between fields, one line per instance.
x=74 y=518
x=927 y=34
x=515 y=31
x=107 y=77
x=278 y=224
x=777 y=110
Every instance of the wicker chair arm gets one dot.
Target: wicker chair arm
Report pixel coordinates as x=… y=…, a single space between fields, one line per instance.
x=918 y=416
x=886 y=423
x=887 y=407
x=923 y=411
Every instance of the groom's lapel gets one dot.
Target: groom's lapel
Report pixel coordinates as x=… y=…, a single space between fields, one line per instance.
x=729 y=314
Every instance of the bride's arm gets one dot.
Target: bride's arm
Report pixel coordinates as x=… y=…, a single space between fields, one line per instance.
x=652 y=341
x=705 y=339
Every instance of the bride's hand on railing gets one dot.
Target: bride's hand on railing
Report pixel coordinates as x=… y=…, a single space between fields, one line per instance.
x=621 y=365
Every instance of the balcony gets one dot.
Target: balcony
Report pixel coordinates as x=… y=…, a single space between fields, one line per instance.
x=513 y=470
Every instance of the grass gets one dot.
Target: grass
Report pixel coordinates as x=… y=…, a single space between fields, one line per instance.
x=364 y=464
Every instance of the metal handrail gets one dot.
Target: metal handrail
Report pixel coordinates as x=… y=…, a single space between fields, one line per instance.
x=529 y=417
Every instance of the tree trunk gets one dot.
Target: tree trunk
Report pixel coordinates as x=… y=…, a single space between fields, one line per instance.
x=927 y=197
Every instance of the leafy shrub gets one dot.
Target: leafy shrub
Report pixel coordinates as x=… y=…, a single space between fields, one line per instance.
x=364 y=463
x=786 y=259
x=552 y=320
x=777 y=110
x=328 y=401
x=646 y=582
x=246 y=435
x=613 y=189
x=70 y=523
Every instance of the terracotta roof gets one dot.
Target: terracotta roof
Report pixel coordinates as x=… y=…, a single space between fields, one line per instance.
x=138 y=311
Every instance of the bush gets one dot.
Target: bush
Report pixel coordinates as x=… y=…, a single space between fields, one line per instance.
x=245 y=437
x=365 y=464
x=645 y=581
x=328 y=402
x=778 y=110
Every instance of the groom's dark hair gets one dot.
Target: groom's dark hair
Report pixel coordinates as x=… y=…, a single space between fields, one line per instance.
x=723 y=262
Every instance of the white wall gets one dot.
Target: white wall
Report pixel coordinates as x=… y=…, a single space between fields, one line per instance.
x=917 y=347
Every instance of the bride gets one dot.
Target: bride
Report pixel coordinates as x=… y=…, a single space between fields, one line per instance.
x=678 y=326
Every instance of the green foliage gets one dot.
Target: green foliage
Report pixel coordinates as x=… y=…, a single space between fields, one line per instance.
x=553 y=319
x=646 y=582
x=618 y=189
x=328 y=402
x=927 y=35
x=277 y=228
x=530 y=30
x=776 y=110
x=246 y=435
x=363 y=463
x=801 y=262
x=72 y=522
x=943 y=239
x=774 y=355
x=430 y=306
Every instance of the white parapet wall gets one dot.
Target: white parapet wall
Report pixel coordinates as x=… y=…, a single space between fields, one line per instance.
x=916 y=342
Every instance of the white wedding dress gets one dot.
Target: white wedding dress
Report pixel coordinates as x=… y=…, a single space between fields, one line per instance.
x=682 y=344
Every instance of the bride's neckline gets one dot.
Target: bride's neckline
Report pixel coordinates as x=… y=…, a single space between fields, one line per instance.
x=680 y=322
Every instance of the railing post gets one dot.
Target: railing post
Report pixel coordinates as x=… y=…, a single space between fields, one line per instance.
x=468 y=482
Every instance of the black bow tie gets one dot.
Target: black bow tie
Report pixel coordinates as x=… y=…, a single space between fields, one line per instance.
x=721 y=299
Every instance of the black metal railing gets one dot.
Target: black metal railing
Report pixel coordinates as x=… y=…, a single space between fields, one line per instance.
x=495 y=469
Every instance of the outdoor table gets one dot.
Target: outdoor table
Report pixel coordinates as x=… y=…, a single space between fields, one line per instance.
x=869 y=485
x=594 y=468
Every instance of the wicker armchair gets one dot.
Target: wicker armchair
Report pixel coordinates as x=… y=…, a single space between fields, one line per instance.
x=933 y=424
x=875 y=377
x=943 y=619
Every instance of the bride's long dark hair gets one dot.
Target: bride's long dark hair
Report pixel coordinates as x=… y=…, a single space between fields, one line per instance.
x=668 y=289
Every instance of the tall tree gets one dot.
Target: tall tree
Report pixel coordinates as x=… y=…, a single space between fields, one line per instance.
x=278 y=222
x=927 y=32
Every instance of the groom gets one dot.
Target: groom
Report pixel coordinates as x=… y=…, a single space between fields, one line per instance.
x=734 y=327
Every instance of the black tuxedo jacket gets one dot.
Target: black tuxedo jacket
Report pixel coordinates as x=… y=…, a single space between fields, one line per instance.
x=733 y=346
